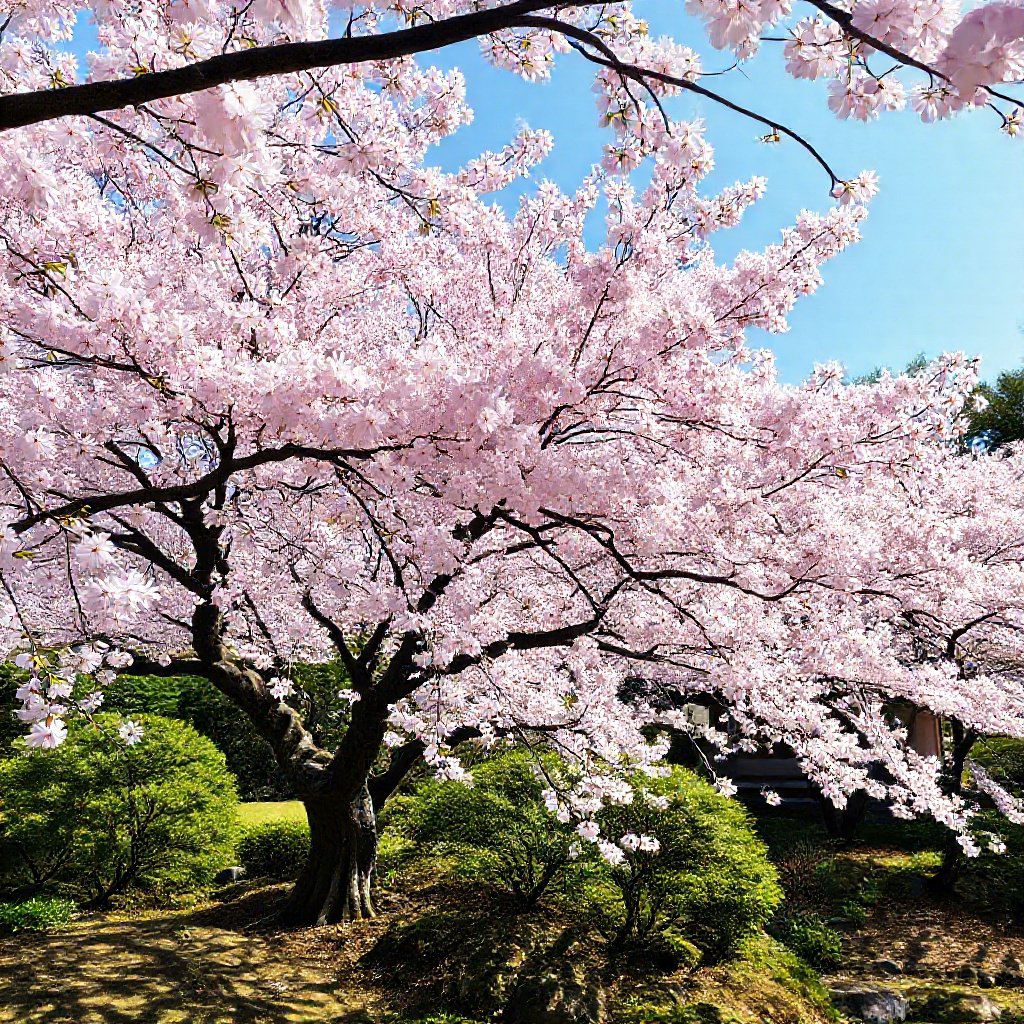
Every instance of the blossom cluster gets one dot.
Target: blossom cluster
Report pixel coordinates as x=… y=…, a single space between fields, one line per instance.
x=268 y=378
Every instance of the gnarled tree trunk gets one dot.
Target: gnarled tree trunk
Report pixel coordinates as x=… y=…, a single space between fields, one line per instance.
x=334 y=885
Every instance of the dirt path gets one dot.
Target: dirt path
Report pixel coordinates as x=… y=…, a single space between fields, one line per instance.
x=192 y=967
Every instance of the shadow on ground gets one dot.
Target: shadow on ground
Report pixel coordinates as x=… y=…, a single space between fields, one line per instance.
x=209 y=966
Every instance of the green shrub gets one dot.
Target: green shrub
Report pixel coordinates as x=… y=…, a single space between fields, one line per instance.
x=994 y=882
x=38 y=914
x=197 y=701
x=710 y=883
x=95 y=818
x=498 y=830
x=811 y=939
x=1002 y=758
x=274 y=849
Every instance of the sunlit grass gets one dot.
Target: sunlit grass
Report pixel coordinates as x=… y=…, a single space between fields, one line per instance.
x=271 y=810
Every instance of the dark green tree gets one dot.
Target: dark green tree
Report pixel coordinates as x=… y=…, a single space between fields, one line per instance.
x=1002 y=420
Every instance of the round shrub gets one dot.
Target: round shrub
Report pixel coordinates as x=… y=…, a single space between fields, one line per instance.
x=710 y=882
x=274 y=849
x=96 y=819
x=38 y=914
x=249 y=756
x=498 y=828
x=198 y=702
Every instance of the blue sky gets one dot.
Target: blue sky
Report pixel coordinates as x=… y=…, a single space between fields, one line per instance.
x=941 y=264
x=942 y=260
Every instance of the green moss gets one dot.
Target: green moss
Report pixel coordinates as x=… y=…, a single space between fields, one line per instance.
x=691 y=1013
x=763 y=955
x=765 y=984
x=945 y=1004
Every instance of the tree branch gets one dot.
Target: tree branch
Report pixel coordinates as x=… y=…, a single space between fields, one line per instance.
x=20 y=109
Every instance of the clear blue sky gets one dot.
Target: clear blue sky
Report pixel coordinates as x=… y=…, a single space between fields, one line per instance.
x=942 y=260
x=941 y=264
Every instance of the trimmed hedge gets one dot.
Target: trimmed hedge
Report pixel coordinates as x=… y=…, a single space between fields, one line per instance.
x=274 y=849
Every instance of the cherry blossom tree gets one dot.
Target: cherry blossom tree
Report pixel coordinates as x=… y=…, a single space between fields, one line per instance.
x=277 y=391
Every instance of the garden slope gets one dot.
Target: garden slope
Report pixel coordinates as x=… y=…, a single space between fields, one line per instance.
x=219 y=964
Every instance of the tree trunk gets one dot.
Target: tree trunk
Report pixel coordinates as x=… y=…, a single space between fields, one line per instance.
x=844 y=824
x=944 y=880
x=334 y=885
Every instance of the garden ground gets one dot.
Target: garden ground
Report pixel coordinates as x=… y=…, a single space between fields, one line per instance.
x=215 y=964
x=223 y=962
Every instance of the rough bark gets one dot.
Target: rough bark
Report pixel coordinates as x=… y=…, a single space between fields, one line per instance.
x=334 y=886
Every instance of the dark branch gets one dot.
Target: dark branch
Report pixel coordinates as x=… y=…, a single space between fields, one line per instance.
x=20 y=109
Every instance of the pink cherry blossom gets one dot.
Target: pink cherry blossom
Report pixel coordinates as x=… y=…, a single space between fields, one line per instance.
x=280 y=390
x=47 y=734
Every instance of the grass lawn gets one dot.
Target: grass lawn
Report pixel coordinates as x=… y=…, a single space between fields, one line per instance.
x=263 y=811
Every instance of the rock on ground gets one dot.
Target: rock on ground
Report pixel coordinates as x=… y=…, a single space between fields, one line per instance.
x=873 y=1004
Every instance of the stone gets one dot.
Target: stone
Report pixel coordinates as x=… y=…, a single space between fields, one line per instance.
x=968 y=973
x=915 y=887
x=982 y=1008
x=1010 y=979
x=952 y=1005
x=891 y=967
x=556 y=993
x=986 y=980
x=843 y=924
x=873 y=1004
x=229 y=875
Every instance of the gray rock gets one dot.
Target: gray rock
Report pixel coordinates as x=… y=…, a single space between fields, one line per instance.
x=873 y=1004
x=986 y=980
x=916 y=886
x=229 y=875
x=968 y=973
x=843 y=924
x=1010 y=979
x=556 y=994
x=891 y=967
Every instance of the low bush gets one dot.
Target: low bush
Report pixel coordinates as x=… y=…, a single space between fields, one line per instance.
x=250 y=758
x=710 y=883
x=993 y=882
x=811 y=939
x=38 y=914
x=95 y=819
x=498 y=830
x=274 y=849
